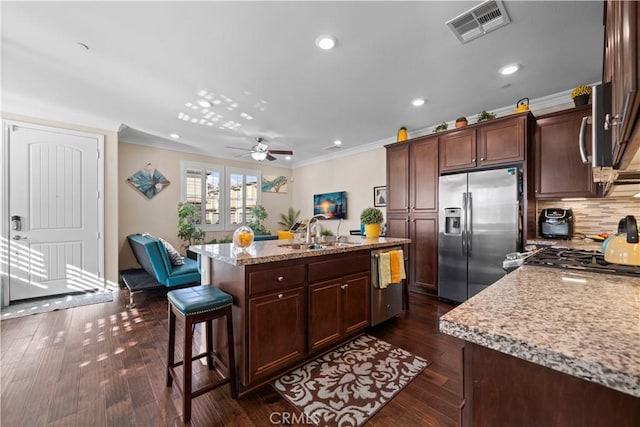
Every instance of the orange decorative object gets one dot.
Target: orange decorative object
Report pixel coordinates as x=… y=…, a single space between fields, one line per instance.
x=402 y=134
x=243 y=237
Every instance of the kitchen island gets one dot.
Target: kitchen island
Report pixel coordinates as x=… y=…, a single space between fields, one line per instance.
x=551 y=347
x=292 y=301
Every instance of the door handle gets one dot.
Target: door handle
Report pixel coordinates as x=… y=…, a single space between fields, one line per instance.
x=18 y=237
x=582 y=140
x=464 y=226
x=470 y=223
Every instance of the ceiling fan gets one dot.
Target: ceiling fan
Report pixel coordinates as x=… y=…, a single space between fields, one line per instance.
x=261 y=151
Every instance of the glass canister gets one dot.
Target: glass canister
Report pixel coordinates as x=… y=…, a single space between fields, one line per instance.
x=243 y=237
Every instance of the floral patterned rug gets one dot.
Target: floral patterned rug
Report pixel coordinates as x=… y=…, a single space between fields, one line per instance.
x=349 y=385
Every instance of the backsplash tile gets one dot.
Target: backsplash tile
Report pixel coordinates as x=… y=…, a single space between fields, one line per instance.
x=593 y=216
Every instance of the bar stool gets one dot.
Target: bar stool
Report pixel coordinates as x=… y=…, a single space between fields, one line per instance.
x=195 y=305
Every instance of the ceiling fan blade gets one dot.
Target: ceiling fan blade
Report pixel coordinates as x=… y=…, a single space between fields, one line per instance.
x=270 y=157
x=287 y=152
x=238 y=148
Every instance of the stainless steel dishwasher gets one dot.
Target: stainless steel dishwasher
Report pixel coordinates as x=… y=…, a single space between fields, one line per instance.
x=387 y=302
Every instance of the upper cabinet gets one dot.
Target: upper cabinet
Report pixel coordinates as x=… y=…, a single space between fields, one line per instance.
x=412 y=176
x=621 y=65
x=559 y=171
x=499 y=141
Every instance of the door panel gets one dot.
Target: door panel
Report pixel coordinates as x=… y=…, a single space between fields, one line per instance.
x=53 y=188
x=452 y=259
x=493 y=225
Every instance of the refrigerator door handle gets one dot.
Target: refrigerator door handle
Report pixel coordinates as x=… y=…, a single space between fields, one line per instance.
x=464 y=225
x=470 y=223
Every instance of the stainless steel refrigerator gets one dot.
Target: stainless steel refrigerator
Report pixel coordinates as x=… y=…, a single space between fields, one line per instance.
x=479 y=223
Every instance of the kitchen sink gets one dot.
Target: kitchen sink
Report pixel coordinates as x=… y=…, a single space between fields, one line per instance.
x=323 y=245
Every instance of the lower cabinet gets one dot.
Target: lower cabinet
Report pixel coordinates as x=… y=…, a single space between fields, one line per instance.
x=337 y=308
x=423 y=251
x=276 y=331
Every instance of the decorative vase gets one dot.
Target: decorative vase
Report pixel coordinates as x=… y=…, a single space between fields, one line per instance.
x=581 y=100
x=243 y=237
x=372 y=230
x=402 y=134
x=461 y=123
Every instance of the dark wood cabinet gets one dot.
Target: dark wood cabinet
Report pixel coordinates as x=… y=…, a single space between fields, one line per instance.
x=559 y=171
x=500 y=141
x=339 y=299
x=417 y=182
x=276 y=331
x=412 y=176
x=621 y=68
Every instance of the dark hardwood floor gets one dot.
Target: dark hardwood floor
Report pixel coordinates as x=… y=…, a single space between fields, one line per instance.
x=104 y=365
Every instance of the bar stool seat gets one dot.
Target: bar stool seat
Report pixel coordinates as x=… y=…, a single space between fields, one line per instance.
x=196 y=305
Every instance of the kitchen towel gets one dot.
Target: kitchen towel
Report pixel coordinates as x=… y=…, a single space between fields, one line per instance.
x=390 y=268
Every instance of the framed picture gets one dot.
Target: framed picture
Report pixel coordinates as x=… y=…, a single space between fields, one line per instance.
x=380 y=196
x=331 y=205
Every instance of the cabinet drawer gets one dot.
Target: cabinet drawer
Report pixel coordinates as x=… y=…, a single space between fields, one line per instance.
x=339 y=266
x=276 y=278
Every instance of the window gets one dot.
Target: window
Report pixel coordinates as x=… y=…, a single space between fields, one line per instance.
x=243 y=194
x=223 y=199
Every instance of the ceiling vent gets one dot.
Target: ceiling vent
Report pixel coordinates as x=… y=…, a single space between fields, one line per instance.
x=479 y=20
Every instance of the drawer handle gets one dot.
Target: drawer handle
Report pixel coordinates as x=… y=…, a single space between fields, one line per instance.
x=345 y=286
x=280 y=296
x=280 y=278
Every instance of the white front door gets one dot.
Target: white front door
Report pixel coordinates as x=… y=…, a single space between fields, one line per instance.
x=55 y=179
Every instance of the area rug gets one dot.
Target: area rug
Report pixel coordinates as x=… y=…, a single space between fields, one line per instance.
x=43 y=305
x=349 y=385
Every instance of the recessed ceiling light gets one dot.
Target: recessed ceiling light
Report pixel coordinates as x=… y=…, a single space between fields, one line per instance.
x=417 y=102
x=337 y=142
x=509 y=69
x=174 y=136
x=204 y=103
x=287 y=157
x=326 y=42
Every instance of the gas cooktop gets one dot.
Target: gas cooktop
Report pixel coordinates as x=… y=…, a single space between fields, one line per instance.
x=577 y=259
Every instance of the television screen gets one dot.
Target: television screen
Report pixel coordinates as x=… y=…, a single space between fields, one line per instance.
x=331 y=205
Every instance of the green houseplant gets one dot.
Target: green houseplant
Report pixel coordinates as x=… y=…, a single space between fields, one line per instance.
x=440 y=127
x=188 y=217
x=483 y=116
x=259 y=214
x=372 y=219
x=287 y=220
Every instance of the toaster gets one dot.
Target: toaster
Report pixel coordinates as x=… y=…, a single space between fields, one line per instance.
x=555 y=223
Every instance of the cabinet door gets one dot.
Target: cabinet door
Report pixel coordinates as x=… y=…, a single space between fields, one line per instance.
x=559 y=170
x=502 y=142
x=356 y=303
x=398 y=226
x=398 y=178
x=325 y=314
x=458 y=150
x=277 y=325
x=424 y=252
x=423 y=181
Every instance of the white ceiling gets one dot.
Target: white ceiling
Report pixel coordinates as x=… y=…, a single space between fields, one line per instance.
x=146 y=60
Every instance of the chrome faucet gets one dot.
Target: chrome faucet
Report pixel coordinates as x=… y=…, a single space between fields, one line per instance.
x=311 y=221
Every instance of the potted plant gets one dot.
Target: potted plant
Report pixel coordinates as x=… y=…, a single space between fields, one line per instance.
x=483 y=116
x=188 y=217
x=441 y=126
x=287 y=220
x=372 y=219
x=461 y=121
x=259 y=214
x=580 y=95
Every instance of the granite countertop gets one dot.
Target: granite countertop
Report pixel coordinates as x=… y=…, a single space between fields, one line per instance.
x=580 y=323
x=272 y=250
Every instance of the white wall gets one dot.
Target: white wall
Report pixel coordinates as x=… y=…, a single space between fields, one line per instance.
x=158 y=216
x=356 y=174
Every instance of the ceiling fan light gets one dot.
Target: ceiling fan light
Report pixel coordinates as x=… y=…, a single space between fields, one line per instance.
x=258 y=155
